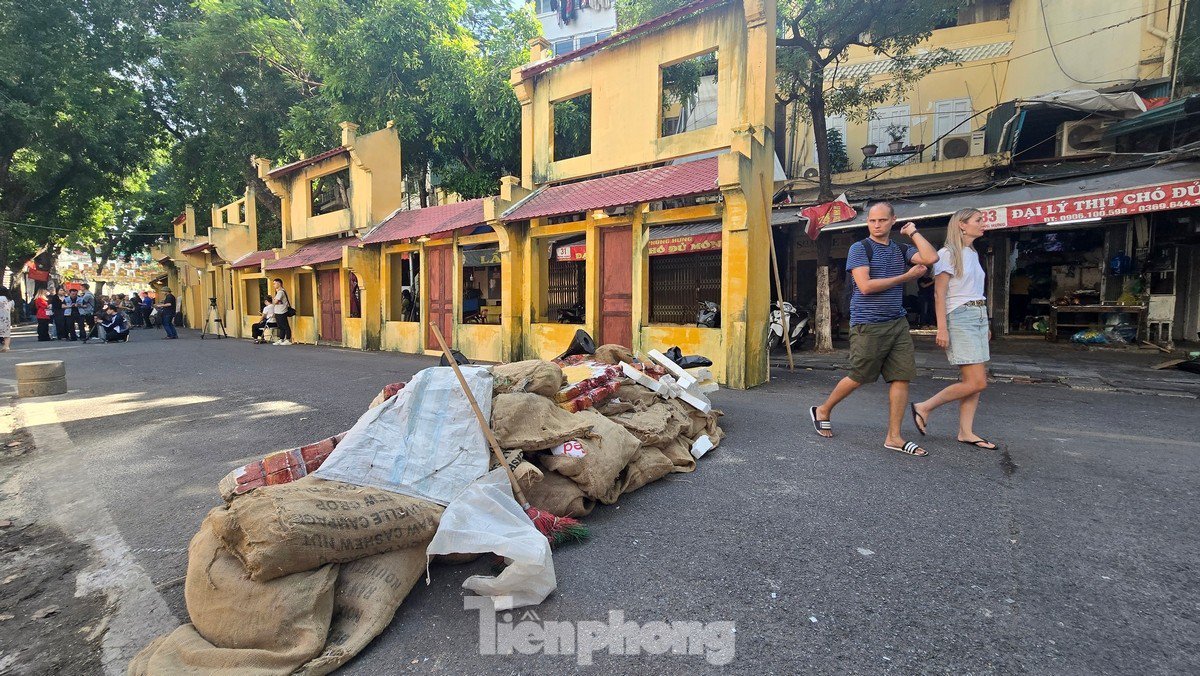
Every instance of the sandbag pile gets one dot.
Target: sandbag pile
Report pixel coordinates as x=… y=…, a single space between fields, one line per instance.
x=601 y=434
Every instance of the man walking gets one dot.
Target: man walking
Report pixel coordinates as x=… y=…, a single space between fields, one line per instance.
x=166 y=311
x=879 y=339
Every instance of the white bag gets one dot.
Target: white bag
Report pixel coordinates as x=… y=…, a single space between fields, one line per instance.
x=424 y=442
x=486 y=518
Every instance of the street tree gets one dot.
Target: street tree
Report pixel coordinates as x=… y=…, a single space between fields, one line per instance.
x=814 y=38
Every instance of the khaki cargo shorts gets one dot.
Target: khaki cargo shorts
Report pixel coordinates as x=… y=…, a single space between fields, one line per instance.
x=885 y=348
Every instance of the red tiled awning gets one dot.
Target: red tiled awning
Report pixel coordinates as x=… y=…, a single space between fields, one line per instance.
x=427 y=221
x=251 y=260
x=199 y=248
x=314 y=253
x=650 y=185
x=308 y=161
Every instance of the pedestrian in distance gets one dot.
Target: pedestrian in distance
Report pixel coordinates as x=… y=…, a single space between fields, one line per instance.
x=963 y=329
x=70 y=312
x=6 y=310
x=85 y=315
x=43 y=315
x=880 y=342
x=283 y=310
x=166 y=312
x=147 y=309
x=57 y=300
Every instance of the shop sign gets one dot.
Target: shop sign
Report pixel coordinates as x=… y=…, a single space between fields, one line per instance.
x=1181 y=195
x=571 y=252
x=476 y=258
x=708 y=241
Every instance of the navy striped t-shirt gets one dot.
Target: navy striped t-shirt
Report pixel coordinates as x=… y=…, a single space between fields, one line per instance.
x=886 y=261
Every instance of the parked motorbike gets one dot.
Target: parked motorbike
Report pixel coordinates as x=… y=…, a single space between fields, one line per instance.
x=798 y=325
x=571 y=315
x=709 y=315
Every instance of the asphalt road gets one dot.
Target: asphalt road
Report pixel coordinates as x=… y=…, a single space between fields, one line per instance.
x=1073 y=551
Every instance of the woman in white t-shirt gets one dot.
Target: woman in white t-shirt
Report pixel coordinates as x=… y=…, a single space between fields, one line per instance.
x=962 y=321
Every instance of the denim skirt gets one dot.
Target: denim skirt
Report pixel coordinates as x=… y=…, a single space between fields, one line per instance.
x=968 y=328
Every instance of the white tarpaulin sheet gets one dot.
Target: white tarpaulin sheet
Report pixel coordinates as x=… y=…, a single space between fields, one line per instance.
x=424 y=442
x=1092 y=101
x=486 y=518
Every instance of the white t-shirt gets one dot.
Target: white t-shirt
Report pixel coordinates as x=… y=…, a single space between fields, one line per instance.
x=965 y=288
x=281 y=302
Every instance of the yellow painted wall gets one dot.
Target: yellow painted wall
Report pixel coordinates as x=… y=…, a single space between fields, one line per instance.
x=480 y=342
x=402 y=337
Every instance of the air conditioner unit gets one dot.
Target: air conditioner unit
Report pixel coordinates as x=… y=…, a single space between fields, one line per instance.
x=1082 y=137
x=960 y=145
x=810 y=173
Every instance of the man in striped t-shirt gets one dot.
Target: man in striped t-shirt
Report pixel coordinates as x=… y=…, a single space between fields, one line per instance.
x=879 y=339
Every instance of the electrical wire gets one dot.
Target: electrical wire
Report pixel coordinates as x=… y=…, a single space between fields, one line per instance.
x=1054 y=52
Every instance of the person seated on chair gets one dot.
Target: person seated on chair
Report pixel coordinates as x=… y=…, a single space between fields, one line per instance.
x=116 y=327
x=268 y=321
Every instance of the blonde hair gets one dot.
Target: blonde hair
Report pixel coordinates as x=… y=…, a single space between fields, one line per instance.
x=954 y=238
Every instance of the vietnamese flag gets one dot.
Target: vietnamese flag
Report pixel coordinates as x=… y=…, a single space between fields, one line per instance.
x=822 y=215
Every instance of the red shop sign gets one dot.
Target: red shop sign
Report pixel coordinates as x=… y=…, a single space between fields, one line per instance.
x=571 y=252
x=708 y=241
x=1181 y=195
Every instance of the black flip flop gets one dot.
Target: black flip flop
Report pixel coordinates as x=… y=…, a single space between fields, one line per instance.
x=909 y=448
x=819 y=425
x=977 y=444
x=918 y=419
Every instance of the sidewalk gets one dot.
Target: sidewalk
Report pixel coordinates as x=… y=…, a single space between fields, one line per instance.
x=1033 y=360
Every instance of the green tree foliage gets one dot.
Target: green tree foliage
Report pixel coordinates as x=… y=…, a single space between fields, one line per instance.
x=1188 y=68
x=839 y=159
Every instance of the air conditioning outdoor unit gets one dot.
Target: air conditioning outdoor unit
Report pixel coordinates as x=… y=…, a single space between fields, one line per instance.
x=1082 y=137
x=810 y=173
x=961 y=145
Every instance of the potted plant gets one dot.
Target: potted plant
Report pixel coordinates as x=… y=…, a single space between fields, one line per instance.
x=896 y=132
x=870 y=149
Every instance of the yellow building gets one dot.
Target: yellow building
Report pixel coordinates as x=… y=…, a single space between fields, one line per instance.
x=327 y=201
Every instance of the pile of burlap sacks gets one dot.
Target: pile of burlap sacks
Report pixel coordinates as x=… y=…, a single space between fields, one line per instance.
x=299 y=576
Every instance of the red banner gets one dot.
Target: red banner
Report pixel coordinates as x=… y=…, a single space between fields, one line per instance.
x=822 y=215
x=571 y=252
x=708 y=241
x=1181 y=195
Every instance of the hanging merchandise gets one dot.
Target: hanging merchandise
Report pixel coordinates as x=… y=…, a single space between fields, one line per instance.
x=567 y=9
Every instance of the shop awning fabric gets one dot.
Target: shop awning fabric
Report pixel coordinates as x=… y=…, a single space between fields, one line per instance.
x=428 y=221
x=251 y=260
x=314 y=253
x=1118 y=193
x=649 y=185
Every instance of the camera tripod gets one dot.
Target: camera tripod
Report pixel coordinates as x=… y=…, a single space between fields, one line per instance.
x=214 y=319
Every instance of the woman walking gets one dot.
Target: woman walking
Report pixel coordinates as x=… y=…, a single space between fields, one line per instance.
x=962 y=325
x=43 y=315
x=6 y=311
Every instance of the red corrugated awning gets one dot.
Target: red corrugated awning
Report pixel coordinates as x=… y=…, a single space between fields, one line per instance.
x=427 y=221
x=251 y=260
x=199 y=248
x=314 y=253
x=650 y=185
x=300 y=164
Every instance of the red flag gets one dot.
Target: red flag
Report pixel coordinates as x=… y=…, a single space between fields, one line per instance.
x=822 y=215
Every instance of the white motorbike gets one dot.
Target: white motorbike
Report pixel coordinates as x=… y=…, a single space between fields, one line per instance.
x=798 y=326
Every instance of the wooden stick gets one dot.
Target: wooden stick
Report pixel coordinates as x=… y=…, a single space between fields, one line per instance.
x=487 y=428
x=1160 y=348
x=787 y=330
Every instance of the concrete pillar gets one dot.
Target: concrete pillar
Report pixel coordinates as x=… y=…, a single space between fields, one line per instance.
x=41 y=378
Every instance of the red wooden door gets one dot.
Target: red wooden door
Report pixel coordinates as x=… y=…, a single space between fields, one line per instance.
x=616 y=286
x=441 y=294
x=329 y=291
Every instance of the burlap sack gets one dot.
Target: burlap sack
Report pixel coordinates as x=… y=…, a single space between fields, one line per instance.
x=532 y=375
x=649 y=466
x=654 y=425
x=632 y=393
x=308 y=523
x=368 y=593
x=532 y=422
x=288 y=616
x=184 y=652
x=679 y=452
x=608 y=450
x=560 y=496
x=613 y=354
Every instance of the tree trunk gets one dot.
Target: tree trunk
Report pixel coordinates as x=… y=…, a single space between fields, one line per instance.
x=424 y=189
x=816 y=106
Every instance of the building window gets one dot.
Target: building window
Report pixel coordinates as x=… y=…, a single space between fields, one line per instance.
x=689 y=94
x=884 y=118
x=481 y=284
x=404 y=299
x=565 y=277
x=571 y=120
x=255 y=293
x=544 y=6
x=951 y=118
x=977 y=11
x=304 y=294
x=330 y=192
x=836 y=123
x=685 y=271
x=563 y=46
